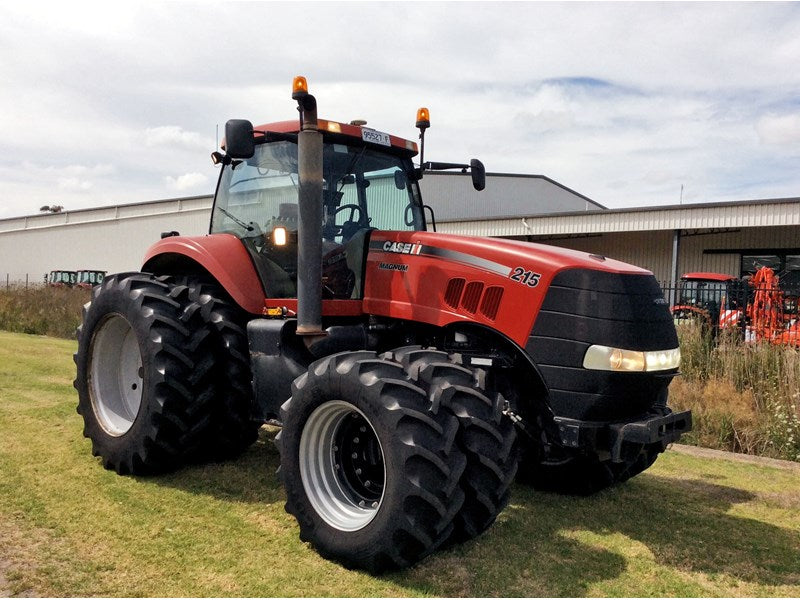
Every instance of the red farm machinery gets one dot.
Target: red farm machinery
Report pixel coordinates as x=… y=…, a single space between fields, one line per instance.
x=82 y=278
x=756 y=308
x=414 y=374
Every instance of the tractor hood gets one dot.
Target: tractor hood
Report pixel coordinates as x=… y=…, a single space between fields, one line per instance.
x=497 y=255
x=443 y=279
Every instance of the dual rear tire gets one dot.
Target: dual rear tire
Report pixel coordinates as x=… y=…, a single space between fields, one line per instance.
x=144 y=374
x=162 y=374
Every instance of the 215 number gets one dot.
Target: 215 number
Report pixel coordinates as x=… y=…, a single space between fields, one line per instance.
x=528 y=278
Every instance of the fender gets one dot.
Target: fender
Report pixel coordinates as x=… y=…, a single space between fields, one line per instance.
x=222 y=255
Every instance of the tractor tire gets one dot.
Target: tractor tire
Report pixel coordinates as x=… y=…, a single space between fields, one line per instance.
x=232 y=428
x=583 y=476
x=486 y=436
x=370 y=466
x=577 y=476
x=144 y=374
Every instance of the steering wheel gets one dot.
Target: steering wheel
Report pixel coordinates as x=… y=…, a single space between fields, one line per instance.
x=355 y=220
x=353 y=208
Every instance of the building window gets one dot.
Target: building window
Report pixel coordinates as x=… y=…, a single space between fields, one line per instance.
x=786 y=266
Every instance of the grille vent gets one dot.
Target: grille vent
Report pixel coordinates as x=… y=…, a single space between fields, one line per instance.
x=452 y=295
x=470 y=296
x=491 y=301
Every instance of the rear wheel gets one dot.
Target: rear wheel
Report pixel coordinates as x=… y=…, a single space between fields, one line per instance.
x=232 y=428
x=371 y=467
x=144 y=375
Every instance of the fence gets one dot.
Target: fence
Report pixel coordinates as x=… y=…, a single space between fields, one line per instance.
x=20 y=281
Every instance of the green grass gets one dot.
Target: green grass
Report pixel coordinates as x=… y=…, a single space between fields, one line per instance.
x=687 y=527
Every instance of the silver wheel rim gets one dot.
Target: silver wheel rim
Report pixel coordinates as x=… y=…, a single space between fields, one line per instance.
x=342 y=497
x=115 y=372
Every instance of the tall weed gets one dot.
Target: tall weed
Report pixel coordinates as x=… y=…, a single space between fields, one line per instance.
x=745 y=397
x=42 y=310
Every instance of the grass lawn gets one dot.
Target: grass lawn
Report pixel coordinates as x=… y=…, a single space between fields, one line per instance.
x=689 y=526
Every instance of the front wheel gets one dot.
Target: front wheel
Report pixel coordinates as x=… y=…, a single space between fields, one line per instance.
x=486 y=436
x=370 y=466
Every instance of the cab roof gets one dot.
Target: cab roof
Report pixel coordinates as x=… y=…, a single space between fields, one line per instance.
x=335 y=128
x=709 y=276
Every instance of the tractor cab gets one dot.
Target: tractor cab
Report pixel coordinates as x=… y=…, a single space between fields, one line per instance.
x=716 y=299
x=60 y=278
x=88 y=278
x=368 y=183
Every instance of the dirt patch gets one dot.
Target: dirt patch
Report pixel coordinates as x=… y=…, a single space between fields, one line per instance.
x=15 y=557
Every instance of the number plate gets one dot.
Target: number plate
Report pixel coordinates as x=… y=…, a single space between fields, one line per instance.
x=376 y=137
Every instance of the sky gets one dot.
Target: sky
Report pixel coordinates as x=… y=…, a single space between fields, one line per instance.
x=630 y=104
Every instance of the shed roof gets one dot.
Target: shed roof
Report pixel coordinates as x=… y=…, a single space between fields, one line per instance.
x=507 y=195
x=712 y=215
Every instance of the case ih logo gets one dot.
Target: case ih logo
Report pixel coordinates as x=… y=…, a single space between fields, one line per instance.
x=401 y=248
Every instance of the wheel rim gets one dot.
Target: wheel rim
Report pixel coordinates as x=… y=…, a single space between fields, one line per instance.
x=341 y=465
x=116 y=373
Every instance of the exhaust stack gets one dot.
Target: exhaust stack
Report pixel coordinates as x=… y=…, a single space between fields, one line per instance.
x=309 y=226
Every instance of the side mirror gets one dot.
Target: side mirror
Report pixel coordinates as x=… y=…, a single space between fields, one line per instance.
x=239 y=141
x=478 y=174
x=400 y=180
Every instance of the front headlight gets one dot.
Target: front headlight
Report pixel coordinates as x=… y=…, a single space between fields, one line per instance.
x=605 y=358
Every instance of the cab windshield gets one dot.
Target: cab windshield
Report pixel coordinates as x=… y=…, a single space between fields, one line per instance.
x=363 y=189
x=709 y=294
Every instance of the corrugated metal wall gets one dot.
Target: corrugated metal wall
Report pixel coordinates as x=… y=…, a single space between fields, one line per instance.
x=727 y=215
x=652 y=251
x=697 y=250
x=115 y=238
x=110 y=239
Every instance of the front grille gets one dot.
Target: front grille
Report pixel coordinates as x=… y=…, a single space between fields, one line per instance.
x=584 y=307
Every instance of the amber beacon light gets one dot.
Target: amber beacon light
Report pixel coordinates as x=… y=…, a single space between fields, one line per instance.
x=423 y=118
x=299 y=87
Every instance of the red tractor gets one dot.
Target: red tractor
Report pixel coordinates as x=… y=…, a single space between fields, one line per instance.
x=715 y=300
x=414 y=374
x=756 y=307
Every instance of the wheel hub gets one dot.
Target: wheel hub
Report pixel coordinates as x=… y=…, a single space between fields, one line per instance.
x=115 y=375
x=341 y=465
x=358 y=460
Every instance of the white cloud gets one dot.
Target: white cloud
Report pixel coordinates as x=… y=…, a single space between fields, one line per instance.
x=188 y=182
x=173 y=135
x=779 y=129
x=74 y=184
x=622 y=102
